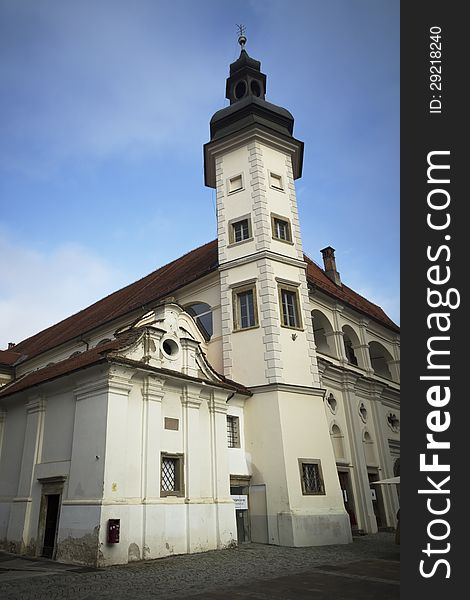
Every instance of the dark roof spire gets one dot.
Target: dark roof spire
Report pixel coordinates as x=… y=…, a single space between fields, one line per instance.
x=245 y=78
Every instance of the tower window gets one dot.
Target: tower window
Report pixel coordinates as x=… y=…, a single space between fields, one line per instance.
x=239 y=230
x=233 y=432
x=240 y=89
x=275 y=181
x=290 y=313
x=235 y=184
x=311 y=477
x=255 y=88
x=244 y=308
x=281 y=229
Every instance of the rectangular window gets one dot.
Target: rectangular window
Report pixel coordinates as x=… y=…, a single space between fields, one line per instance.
x=290 y=312
x=235 y=184
x=311 y=477
x=171 y=481
x=275 y=181
x=281 y=229
x=239 y=230
x=233 y=432
x=244 y=307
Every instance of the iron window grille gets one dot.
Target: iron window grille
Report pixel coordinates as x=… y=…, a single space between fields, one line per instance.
x=311 y=477
x=233 y=432
x=171 y=482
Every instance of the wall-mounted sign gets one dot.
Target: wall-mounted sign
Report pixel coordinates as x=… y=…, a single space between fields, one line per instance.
x=241 y=501
x=373 y=494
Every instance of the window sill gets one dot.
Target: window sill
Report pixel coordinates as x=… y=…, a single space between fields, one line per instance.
x=250 y=239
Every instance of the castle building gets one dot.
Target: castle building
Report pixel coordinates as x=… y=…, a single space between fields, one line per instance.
x=239 y=393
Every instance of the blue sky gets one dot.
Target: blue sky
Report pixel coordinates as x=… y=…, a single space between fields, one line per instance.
x=105 y=107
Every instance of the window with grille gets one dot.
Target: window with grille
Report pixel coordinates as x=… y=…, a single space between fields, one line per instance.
x=244 y=308
x=290 y=308
x=233 y=432
x=171 y=481
x=311 y=477
x=281 y=229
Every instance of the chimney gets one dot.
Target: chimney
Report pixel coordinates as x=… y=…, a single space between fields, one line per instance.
x=329 y=262
x=11 y=345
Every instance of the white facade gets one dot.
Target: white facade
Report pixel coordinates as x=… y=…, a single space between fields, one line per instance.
x=290 y=397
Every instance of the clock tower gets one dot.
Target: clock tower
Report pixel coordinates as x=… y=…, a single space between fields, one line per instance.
x=252 y=160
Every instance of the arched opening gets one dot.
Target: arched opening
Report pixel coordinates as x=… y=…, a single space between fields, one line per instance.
x=322 y=330
x=379 y=358
x=202 y=314
x=337 y=440
x=351 y=343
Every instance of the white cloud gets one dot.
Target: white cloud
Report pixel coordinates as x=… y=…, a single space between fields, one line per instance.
x=81 y=85
x=39 y=288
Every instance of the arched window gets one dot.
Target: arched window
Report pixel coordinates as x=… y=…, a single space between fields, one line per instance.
x=322 y=330
x=337 y=440
x=369 y=449
x=351 y=341
x=202 y=314
x=379 y=358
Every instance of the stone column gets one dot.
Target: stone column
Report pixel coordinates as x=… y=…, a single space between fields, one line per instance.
x=383 y=453
x=191 y=402
x=152 y=395
x=363 y=347
x=19 y=532
x=364 y=506
x=226 y=531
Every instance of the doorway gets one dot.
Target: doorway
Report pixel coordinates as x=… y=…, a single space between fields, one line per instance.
x=346 y=490
x=50 y=526
x=49 y=515
x=239 y=492
x=377 y=501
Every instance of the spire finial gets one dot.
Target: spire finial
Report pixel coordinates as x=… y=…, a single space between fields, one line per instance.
x=241 y=36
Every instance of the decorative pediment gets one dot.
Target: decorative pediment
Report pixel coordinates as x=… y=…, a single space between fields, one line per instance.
x=167 y=338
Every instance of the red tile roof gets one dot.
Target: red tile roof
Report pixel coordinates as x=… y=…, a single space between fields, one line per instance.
x=101 y=354
x=345 y=295
x=9 y=357
x=165 y=281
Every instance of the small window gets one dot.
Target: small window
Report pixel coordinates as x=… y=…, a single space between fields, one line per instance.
x=290 y=313
x=275 y=181
x=240 y=230
x=233 y=432
x=235 y=184
x=245 y=309
x=281 y=229
x=171 y=482
x=311 y=477
x=202 y=314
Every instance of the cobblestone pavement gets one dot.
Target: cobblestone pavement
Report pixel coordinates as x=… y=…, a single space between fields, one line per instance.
x=367 y=568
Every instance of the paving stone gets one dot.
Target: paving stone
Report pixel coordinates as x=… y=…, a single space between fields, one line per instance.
x=367 y=568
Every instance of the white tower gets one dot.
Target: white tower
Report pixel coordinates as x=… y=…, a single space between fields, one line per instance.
x=252 y=160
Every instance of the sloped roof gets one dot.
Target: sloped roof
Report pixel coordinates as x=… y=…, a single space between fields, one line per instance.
x=9 y=357
x=316 y=276
x=104 y=353
x=165 y=281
